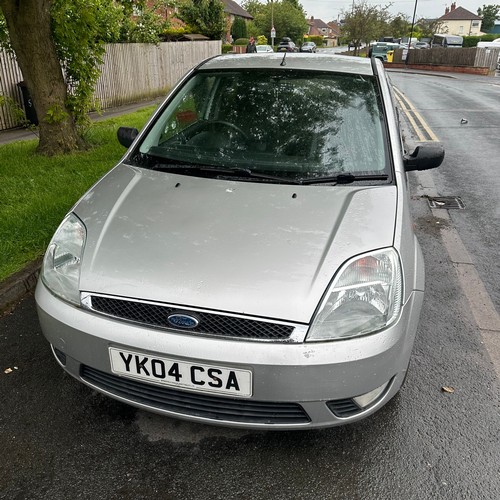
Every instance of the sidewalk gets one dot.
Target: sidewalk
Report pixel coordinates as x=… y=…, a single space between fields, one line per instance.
x=23 y=134
x=17 y=286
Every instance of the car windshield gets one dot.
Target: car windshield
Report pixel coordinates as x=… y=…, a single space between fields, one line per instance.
x=285 y=124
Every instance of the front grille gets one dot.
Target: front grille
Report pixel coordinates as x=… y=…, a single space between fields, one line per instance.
x=343 y=408
x=212 y=324
x=196 y=405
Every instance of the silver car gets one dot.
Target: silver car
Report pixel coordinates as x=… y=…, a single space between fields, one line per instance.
x=250 y=261
x=264 y=48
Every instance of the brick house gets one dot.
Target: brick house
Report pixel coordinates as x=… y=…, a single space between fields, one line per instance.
x=233 y=10
x=330 y=32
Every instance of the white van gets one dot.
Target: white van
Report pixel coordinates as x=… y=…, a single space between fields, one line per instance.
x=495 y=44
x=447 y=41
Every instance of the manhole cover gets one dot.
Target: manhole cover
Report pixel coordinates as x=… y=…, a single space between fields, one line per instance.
x=446 y=202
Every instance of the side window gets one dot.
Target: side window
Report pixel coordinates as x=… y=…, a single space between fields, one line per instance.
x=192 y=108
x=186 y=108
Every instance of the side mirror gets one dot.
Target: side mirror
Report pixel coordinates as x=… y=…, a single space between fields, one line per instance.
x=424 y=157
x=126 y=135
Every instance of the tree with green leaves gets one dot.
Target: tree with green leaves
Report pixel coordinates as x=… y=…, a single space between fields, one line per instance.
x=47 y=35
x=399 y=26
x=489 y=13
x=287 y=15
x=142 y=22
x=254 y=7
x=60 y=46
x=205 y=16
x=426 y=28
x=364 y=23
x=239 y=28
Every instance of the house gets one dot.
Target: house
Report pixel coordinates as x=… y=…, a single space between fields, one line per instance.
x=329 y=31
x=459 y=21
x=334 y=34
x=232 y=11
x=317 y=27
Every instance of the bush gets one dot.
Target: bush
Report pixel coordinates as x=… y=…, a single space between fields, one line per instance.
x=173 y=34
x=226 y=47
x=239 y=28
x=241 y=41
x=472 y=41
x=317 y=39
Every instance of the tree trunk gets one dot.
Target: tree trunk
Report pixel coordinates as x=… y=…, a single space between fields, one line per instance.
x=29 y=25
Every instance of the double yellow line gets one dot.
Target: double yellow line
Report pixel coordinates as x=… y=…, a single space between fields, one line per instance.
x=418 y=124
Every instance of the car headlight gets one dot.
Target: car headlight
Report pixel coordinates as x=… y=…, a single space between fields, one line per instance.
x=61 y=264
x=364 y=297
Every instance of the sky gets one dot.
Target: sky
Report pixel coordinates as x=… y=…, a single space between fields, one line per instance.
x=329 y=10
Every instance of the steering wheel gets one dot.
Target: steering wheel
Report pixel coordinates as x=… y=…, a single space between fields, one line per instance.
x=216 y=123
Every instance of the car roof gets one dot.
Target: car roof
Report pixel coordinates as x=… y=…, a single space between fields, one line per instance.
x=312 y=62
x=386 y=44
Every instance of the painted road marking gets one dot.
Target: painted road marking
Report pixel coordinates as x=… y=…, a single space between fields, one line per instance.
x=419 y=125
x=482 y=307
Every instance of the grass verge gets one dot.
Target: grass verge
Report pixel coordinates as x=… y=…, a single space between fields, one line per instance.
x=36 y=192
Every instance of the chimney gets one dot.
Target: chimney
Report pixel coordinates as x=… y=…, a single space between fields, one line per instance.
x=453 y=6
x=446 y=11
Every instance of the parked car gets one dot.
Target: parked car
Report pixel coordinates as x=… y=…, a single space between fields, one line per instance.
x=308 y=47
x=227 y=273
x=446 y=41
x=286 y=45
x=422 y=45
x=379 y=50
x=495 y=44
x=264 y=48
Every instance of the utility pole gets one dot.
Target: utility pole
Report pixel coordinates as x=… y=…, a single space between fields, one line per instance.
x=411 y=32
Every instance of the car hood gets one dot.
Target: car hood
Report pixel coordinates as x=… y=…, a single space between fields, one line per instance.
x=251 y=248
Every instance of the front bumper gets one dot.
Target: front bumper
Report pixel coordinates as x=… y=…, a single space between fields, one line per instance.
x=295 y=385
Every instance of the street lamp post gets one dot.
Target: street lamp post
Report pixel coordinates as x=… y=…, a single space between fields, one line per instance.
x=411 y=31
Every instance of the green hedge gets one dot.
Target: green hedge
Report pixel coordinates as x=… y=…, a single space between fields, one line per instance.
x=317 y=39
x=472 y=41
x=241 y=41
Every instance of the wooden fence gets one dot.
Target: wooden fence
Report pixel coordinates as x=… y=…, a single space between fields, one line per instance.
x=10 y=76
x=130 y=72
x=454 y=58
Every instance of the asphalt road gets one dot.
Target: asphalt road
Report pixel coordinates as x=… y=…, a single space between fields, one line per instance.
x=59 y=439
x=464 y=113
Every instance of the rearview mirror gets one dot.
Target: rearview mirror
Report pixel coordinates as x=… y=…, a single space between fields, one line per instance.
x=424 y=157
x=126 y=135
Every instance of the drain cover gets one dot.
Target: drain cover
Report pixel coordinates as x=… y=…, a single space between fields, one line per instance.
x=446 y=202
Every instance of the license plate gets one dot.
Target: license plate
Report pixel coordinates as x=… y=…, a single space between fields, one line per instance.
x=180 y=374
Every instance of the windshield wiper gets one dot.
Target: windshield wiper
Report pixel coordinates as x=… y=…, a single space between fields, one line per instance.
x=216 y=171
x=169 y=165
x=247 y=173
x=344 y=179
